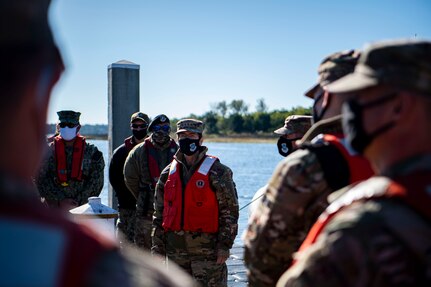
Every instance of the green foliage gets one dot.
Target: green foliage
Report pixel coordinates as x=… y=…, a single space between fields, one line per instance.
x=227 y=119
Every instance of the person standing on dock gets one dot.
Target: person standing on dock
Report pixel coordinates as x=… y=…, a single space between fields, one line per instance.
x=42 y=246
x=196 y=209
x=141 y=172
x=73 y=170
x=126 y=201
x=378 y=232
x=297 y=192
x=295 y=127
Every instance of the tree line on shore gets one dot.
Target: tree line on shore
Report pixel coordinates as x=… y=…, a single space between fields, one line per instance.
x=224 y=119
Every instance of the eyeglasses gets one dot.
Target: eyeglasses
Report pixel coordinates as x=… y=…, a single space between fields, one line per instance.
x=139 y=126
x=69 y=125
x=163 y=128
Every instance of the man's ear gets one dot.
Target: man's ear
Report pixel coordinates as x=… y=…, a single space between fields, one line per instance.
x=78 y=128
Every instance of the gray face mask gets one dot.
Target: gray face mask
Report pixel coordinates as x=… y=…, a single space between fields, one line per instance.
x=161 y=137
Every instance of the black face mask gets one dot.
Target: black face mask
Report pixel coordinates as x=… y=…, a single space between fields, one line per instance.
x=139 y=134
x=353 y=127
x=284 y=146
x=189 y=146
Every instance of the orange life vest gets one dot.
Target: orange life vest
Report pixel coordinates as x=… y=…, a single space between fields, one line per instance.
x=77 y=158
x=62 y=253
x=194 y=208
x=359 y=167
x=152 y=158
x=413 y=189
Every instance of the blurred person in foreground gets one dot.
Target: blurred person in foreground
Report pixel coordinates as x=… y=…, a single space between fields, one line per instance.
x=297 y=192
x=141 y=172
x=294 y=128
x=73 y=170
x=126 y=201
x=196 y=209
x=378 y=232
x=40 y=246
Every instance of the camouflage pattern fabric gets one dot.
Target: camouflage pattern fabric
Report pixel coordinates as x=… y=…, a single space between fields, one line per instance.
x=138 y=180
x=126 y=225
x=93 y=166
x=293 y=199
x=376 y=242
x=69 y=117
x=196 y=252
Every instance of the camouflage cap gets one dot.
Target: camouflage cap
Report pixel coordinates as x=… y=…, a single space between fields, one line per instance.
x=68 y=117
x=295 y=124
x=139 y=116
x=190 y=125
x=333 y=67
x=404 y=64
x=24 y=23
x=159 y=119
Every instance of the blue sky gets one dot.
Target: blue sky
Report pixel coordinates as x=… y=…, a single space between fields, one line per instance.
x=193 y=53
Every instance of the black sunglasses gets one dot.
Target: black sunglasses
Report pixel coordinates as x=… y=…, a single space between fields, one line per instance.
x=137 y=126
x=163 y=128
x=69 y=125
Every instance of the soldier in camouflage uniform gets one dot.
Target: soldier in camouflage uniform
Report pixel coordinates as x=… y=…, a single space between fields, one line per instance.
x=126 y=201
x=196 y=209
x=42 y=246
x=141 y=172
x=294 y=128
x=73 y=169
x=378 y=232
x=297 y=192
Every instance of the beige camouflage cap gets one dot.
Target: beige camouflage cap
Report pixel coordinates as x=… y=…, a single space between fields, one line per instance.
x=405 y=64
x=139 y=116
x=190 y=125
x=333 y=67
x=295 y=124
x=68 y=117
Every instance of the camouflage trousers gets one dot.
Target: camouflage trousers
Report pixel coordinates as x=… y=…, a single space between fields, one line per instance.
x=143 y=227
x=126 y=226
x=196 y=253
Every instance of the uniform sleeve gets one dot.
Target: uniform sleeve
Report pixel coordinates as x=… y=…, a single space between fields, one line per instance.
x=116 y=170
x=343 y=256
x=45 y=180
x=295 y=196
x=136 y=172
x=158 y=235
x=222 y=183
x=93 y=184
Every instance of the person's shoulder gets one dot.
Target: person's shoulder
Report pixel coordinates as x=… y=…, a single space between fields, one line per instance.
x=219 y=169
x=121 y=148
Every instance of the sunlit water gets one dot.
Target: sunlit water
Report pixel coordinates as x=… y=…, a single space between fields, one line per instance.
x=252 y=165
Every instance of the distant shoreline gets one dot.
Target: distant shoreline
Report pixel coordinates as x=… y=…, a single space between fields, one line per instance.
x=218 y=138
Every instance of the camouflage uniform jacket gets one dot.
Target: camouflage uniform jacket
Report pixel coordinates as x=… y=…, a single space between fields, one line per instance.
x=131 y=267
x=137 y=174
x=380 y=241
x=91 y=184
x=220 y=177
x=294 y=198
